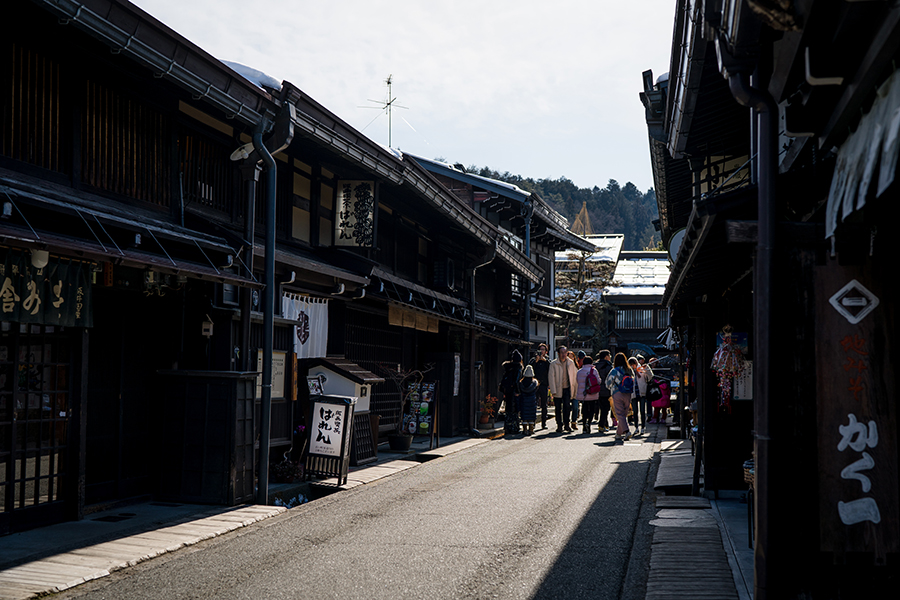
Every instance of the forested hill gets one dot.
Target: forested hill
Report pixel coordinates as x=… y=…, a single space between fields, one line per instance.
x=613 y=209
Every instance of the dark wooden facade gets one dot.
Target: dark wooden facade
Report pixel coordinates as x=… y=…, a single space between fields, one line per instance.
x=117 y=164
x=769 y=151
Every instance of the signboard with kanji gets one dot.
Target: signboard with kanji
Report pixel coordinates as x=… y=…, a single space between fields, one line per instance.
x=59 y=293
x=330 y=433
x=857 y=412
x=355 y=216
x=329 y=424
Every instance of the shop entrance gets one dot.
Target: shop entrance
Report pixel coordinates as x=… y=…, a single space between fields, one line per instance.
x=35 y=412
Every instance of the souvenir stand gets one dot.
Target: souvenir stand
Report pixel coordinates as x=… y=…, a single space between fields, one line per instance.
x=421 y=416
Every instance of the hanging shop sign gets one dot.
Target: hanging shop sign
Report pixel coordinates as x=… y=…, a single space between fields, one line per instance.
x=56 y=293
x=856 y=413
x=355 y=223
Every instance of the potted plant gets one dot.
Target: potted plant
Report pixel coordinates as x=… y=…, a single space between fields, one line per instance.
x=407 y=385
x=487 y=408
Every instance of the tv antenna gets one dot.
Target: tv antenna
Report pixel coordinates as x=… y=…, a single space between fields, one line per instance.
x=385 y=106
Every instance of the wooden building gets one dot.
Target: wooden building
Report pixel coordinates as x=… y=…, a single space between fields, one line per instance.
x=527 y=222
x=773 y=143
x=142 y=181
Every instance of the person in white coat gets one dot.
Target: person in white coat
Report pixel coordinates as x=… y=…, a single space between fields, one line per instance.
x=563 y=380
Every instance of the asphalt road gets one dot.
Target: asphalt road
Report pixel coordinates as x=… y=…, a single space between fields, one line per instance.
x=548 y=516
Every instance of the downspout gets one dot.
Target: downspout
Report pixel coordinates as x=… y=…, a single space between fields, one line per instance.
x=250 y=173
x=262 y=490
x=767 y=165
x=472 y=361
x=529 y=212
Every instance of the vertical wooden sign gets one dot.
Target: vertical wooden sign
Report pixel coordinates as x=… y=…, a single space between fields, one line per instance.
x=857 y=414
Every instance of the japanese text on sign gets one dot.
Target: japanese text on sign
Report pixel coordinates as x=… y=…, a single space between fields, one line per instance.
x=355 y=223
x=328 y=429
x=858 y=436
x=857 y=358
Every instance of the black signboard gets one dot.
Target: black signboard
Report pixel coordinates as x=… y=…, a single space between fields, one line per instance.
x=58 y=293
x=422 y=414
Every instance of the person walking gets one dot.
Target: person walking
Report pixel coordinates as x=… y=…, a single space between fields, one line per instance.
x=643 y=379
x=562 y=378
x=528 y=387
x=576 y=399
x=604 y=366
x=620 y=382
x=509 y=386
x=639 y=397
x=589 y=387
x=541 y=366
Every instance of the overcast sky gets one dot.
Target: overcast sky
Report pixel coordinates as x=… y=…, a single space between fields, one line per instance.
x=539 y=89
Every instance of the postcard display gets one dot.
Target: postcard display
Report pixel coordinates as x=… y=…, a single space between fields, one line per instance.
x=422 y=414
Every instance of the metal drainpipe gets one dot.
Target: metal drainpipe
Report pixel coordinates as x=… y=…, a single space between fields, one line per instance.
x=766 y=110
x=262 y=490
x=472 y=361
x=251 y=176
x=529 y=212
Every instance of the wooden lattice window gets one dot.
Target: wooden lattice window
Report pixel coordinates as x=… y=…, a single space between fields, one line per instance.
x=125 y=146
x=32 y=129
x=207 y=174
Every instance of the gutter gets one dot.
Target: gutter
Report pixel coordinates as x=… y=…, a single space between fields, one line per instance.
x=162 y=66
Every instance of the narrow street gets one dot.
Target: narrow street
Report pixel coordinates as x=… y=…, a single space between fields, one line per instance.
x=543 y=517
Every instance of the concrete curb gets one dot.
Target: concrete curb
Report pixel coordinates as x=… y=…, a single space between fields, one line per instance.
x=62 y=571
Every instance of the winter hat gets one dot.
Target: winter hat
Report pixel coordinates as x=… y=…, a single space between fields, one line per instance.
x=516 y=356
x=528 y=372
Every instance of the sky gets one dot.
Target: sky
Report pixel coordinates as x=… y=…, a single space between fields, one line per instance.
x=539 y=89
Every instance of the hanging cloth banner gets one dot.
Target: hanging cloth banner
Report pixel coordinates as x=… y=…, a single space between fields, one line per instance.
x=56 y=294
x=311 y=330
x=867 y=160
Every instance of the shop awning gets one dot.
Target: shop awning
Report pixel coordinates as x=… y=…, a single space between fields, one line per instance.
x=58 y=220
x=553 y=312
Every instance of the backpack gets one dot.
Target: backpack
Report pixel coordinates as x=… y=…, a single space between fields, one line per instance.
x=654 y=391
x=592 y=383
x=627 y=385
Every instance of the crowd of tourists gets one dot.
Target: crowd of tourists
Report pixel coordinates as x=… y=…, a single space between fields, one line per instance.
x=609 y=393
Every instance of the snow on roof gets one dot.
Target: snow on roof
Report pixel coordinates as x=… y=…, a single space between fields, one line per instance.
x=641 y=274
x=394 y=151
x=608 y=245
x=495 y=182
x=254 y=76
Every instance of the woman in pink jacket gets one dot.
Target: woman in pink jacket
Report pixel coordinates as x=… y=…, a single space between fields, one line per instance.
x=589 y=402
